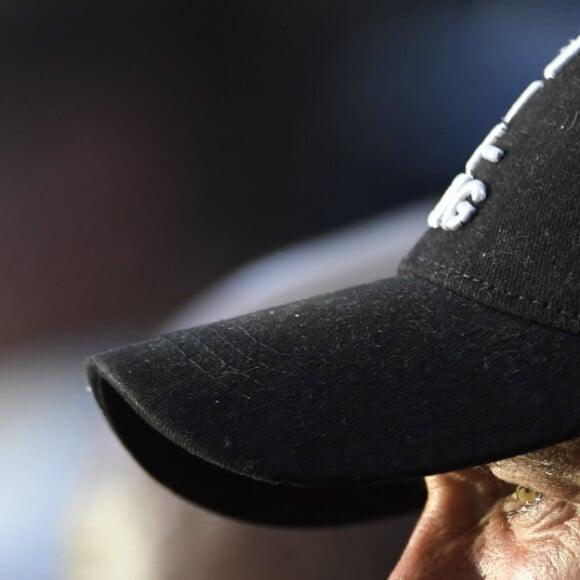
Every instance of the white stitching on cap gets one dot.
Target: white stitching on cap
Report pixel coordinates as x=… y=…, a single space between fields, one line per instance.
x=455 y=208
x=487 y=150
x=530 y=91
x=566 y=55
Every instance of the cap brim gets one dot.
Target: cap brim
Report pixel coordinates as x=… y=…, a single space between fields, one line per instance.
x=327 y=410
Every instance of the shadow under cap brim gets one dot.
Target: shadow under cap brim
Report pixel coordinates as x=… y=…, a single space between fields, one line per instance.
x=323 y=411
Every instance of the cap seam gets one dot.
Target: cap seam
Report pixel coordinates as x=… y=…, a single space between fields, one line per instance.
x=494 y=288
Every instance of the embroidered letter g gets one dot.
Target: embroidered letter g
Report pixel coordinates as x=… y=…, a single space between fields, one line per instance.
x=455 y=207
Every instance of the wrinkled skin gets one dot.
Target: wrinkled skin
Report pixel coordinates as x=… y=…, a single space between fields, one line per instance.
x=475 y=526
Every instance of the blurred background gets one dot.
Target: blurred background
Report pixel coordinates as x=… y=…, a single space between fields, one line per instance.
x=167 y=163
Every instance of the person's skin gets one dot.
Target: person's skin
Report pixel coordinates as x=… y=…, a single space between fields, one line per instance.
x=477 y=524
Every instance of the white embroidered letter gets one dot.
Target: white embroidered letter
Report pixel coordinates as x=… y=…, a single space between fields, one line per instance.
x=455 y=207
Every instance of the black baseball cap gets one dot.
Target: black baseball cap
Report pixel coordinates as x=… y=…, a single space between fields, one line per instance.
x=330 y=410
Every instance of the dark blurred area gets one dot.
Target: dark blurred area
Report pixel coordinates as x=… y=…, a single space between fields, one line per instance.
x=147 y=148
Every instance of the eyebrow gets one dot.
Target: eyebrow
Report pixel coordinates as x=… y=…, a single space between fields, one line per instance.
x=556 y=467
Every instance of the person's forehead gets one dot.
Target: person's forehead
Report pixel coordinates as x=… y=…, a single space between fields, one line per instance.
x=558 y=465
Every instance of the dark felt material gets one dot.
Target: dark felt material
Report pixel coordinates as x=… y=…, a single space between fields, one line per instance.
x=383 y=382
x=312 y=412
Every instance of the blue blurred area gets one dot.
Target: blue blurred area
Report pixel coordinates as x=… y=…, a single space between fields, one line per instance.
x=46 y=428
x=424 y=88
x=405 y=100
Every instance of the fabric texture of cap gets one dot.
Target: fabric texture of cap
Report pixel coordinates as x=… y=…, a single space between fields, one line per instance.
x=329 y=410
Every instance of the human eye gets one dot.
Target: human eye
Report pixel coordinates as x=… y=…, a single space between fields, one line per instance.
x=525 y=524
x=523 y=500
x=529 y=509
